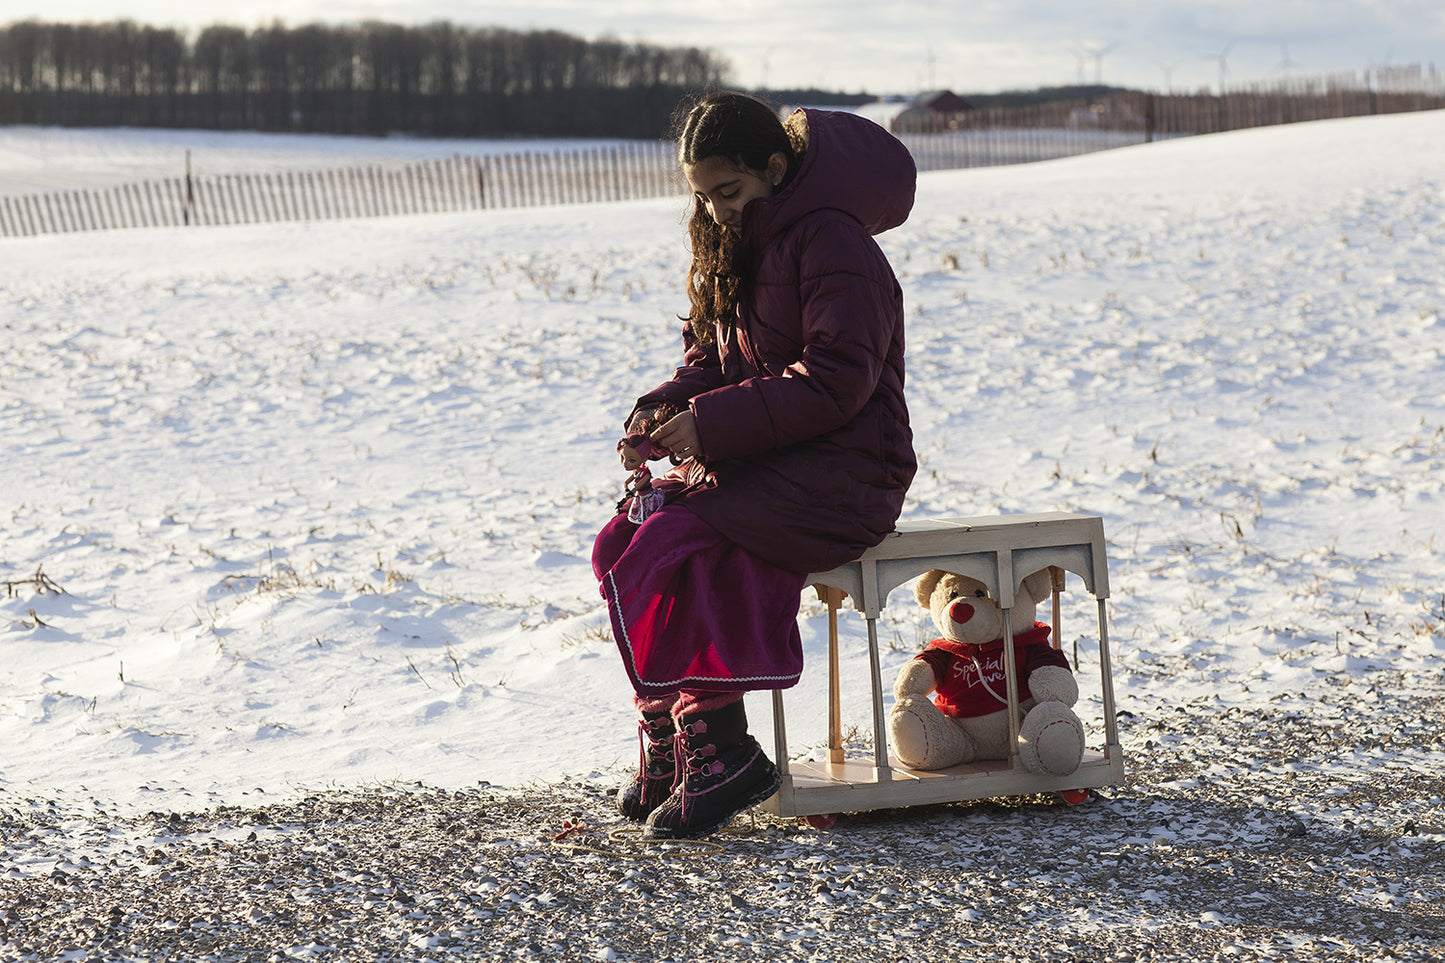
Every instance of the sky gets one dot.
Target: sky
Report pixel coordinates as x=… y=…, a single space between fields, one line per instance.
x=906 y=46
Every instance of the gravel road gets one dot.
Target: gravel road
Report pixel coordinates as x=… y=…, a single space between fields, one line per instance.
x=1241 y=835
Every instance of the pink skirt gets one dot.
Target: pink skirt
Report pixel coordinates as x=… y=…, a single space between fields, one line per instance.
x=692 y=610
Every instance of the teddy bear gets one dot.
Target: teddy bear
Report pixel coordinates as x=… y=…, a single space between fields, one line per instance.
x=967 y=719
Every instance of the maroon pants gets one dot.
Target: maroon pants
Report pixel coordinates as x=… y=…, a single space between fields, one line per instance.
x=691 y=611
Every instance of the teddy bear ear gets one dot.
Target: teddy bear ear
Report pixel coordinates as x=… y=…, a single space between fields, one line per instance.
x=927 y=582
x=1039 y=585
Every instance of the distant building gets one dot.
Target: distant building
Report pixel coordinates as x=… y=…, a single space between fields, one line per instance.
x=943 y=102
x=929 y=110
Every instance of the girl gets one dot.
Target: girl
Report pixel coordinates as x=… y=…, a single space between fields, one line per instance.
x=792 y=434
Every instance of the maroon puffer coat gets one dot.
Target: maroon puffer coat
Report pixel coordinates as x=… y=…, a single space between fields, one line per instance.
x=800 y=407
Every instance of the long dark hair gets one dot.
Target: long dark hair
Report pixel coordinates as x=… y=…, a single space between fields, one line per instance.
x=745 y=132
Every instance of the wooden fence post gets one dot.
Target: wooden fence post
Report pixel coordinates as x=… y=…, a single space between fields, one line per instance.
x=250 y=198
x=88 y=201
x=461 y=183
x=148 y=203
x=165 y=203
x=206 y=206
x=273 y=198
x=568 y=162
x=49 y=219
x=290 y=200
x=262 y=195
x=446 y=177
x=385 y=198
x=435 y=198
x=367 y=197
x=64 y=217
x=228 y=202
x=515 y=194
x=320 y=203
x=345 y=188
x=417 y=176
x=513 y=185
x=236 y=199
x=306 y=199
x=357 y=191
x=460 y=172
x=190 y=193
x=131 y=216
x=335 y=186
x=502 y=180
x=370 y=195
x=105 y=204
x=531 y=192
x=356 y=187
x=406 y=189
x=296 y=197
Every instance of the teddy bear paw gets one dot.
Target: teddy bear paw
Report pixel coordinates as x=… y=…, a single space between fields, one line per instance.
x=1051 y=740
x=908 y=733
x=924 y=738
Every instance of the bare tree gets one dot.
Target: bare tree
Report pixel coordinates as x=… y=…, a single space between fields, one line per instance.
x=372 y=77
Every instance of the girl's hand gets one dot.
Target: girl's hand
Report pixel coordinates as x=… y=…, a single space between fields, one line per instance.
x=679 y=436
x=634 y=427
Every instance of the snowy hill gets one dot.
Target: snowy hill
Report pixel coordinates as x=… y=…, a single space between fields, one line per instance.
x=321 y=496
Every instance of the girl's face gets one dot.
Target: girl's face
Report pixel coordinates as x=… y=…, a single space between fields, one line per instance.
x=727 y=188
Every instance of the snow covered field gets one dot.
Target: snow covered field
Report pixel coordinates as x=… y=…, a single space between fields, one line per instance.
x=39 y=159
x=320 y=497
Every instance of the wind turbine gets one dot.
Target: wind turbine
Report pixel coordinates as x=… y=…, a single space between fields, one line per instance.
x=1168 y=68
x=1097 y=51
x=1286 y=62
x=1381 y=69
x=1223 y=57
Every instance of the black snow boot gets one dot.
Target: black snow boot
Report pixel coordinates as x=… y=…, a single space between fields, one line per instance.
x=656 y=770
x=721 y=771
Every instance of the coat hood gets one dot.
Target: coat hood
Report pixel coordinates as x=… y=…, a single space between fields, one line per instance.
x=851 y=165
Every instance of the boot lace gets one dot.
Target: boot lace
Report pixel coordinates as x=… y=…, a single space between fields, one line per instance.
x=694 y=758
x=654 y=746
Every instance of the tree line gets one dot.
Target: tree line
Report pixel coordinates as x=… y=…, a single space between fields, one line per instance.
x=368 y=78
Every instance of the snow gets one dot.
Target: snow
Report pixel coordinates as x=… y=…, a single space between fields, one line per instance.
x=39 y=159
x=320 y=497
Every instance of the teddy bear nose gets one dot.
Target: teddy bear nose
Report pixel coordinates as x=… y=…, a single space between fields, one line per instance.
x=960 y=611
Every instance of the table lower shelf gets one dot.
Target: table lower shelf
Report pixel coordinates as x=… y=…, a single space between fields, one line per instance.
x=856 y=785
